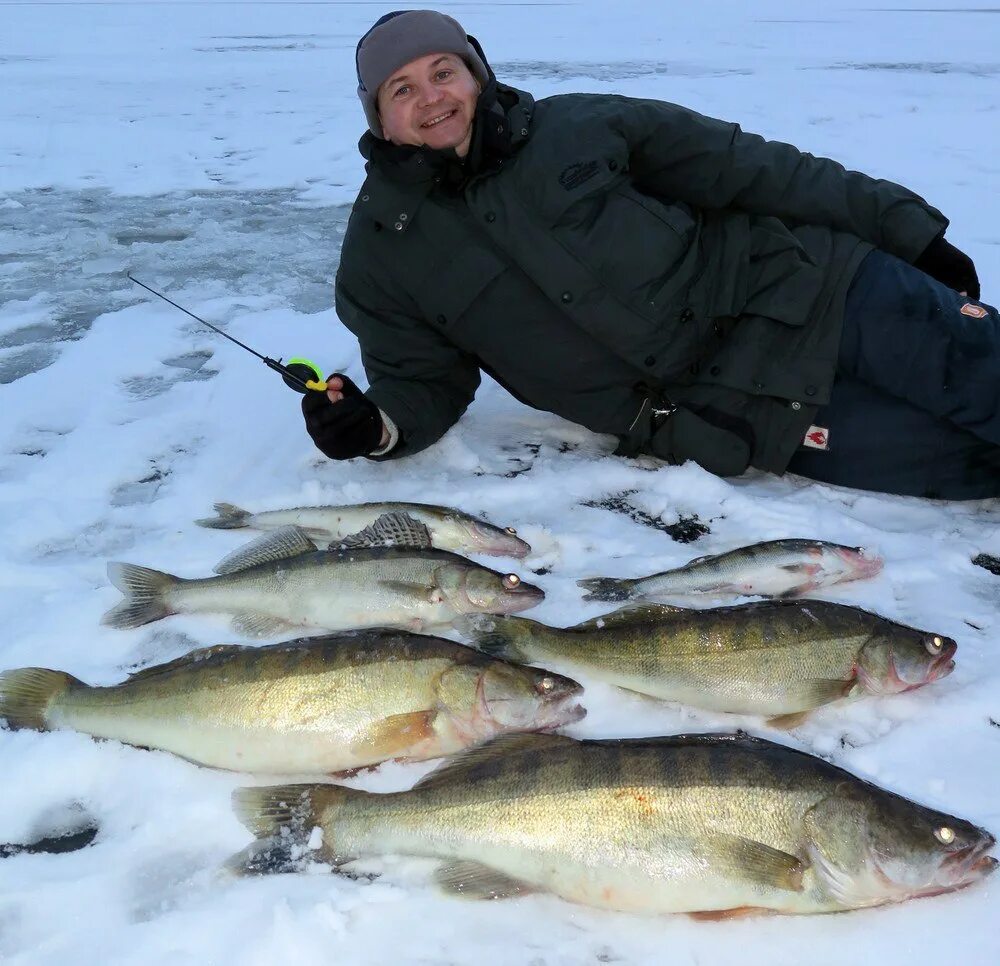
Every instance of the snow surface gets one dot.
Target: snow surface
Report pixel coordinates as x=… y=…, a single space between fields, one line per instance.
x=210 y=149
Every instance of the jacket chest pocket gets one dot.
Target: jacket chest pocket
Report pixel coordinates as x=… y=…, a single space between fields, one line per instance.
x=450 y=289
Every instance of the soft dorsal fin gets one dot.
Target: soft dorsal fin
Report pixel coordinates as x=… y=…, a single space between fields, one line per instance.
x=281 y=544
x=632 y=614
x=502 y=747
x=396 y=529
x=184 y=661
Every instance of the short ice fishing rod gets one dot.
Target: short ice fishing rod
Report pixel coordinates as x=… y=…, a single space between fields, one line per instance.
x=298 y=374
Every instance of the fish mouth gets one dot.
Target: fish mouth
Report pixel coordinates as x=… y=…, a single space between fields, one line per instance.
x=564 y=714
x=504 y=545
x=521 y=598
x=966 y=866
x=943 y=666
x=939 y=668
x=862 y=564
x=973 y=859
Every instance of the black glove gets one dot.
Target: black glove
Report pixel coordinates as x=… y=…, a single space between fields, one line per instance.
x=345 y=429
x=944 y=262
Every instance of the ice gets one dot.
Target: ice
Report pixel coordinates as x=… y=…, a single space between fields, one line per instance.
x=210 y=150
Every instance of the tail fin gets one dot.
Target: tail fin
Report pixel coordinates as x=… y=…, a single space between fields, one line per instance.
x=230 y=517
x=607 y=588
x=145 y=593
x=290 y=810
x=27 y=694
x=283 y=818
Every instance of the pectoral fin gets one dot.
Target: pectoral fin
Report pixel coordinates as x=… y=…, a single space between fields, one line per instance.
x=396 y=736
x=755 y=862
x=809 y=694
x=470 y=880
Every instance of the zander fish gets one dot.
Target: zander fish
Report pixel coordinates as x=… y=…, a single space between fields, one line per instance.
x=714 y=825
x=449 y=529
x=778 y=568
x=282 y=581
x=775 y=658
x=315 y=705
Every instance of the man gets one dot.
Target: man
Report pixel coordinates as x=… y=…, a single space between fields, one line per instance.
x=652 y=273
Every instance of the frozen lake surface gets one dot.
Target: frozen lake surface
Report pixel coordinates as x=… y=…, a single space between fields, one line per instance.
x=210 y=150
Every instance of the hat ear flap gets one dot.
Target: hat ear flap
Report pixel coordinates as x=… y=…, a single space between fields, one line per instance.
x=369 y=101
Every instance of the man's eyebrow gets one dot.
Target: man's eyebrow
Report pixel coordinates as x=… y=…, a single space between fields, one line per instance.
x=403 y=77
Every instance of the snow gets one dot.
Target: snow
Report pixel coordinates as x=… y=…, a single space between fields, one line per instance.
x=210 y=149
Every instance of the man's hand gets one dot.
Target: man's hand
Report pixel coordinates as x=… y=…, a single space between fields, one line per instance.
x=343 y=422
x=944 y=262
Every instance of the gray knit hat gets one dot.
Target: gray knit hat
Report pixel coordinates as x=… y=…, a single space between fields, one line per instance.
x=402 y=36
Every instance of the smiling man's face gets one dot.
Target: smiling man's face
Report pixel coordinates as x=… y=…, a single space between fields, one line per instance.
x=432 y=101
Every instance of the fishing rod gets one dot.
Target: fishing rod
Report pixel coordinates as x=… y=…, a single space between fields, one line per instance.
x=298 y=374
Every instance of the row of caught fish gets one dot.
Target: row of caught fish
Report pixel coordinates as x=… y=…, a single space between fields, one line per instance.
x=716 y=825
x=776 y=568
x=329 y=704
x=389 y=575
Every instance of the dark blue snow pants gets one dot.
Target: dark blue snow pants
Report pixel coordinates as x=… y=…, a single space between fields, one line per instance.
x=915 y=407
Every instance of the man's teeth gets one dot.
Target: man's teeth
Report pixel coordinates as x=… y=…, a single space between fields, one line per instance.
x=437 y=120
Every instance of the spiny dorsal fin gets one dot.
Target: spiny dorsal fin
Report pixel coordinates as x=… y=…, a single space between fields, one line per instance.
x=624 y=616
x=502 y=747
x=281 y=544
x=396 y=529
x=185 y=660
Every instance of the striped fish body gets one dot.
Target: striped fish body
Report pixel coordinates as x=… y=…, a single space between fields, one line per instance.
x=317 y=705
x=284 y=583
x=704 y=823
x=450 y=529
x=770 y=658
x=777 y=568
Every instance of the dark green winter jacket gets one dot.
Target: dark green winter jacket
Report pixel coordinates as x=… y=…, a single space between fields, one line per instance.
x=625 y=258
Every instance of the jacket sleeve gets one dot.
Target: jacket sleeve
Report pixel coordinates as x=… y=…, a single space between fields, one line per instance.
x=684 y=156
x=415 y=376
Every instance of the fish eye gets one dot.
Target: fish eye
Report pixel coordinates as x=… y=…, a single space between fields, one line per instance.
x=546 y=685
x=934 y=644
x=511 y=581
x=511 y=531
x=944 y=835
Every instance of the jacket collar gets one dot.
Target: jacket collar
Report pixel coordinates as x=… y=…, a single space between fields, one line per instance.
x=401 y=176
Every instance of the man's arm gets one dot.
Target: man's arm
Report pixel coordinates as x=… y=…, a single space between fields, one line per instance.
x=416 y=377
x=682 y=155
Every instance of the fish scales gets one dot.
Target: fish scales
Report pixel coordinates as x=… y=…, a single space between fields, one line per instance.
x=314 y=705
x=698 y=652
x=240 y=709
x=272 y=588
x=694 y=823
x=563 y=818
x=450 y=529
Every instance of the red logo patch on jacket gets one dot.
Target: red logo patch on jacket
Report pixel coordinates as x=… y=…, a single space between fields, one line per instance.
x=973 y=311
x=817 y=438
